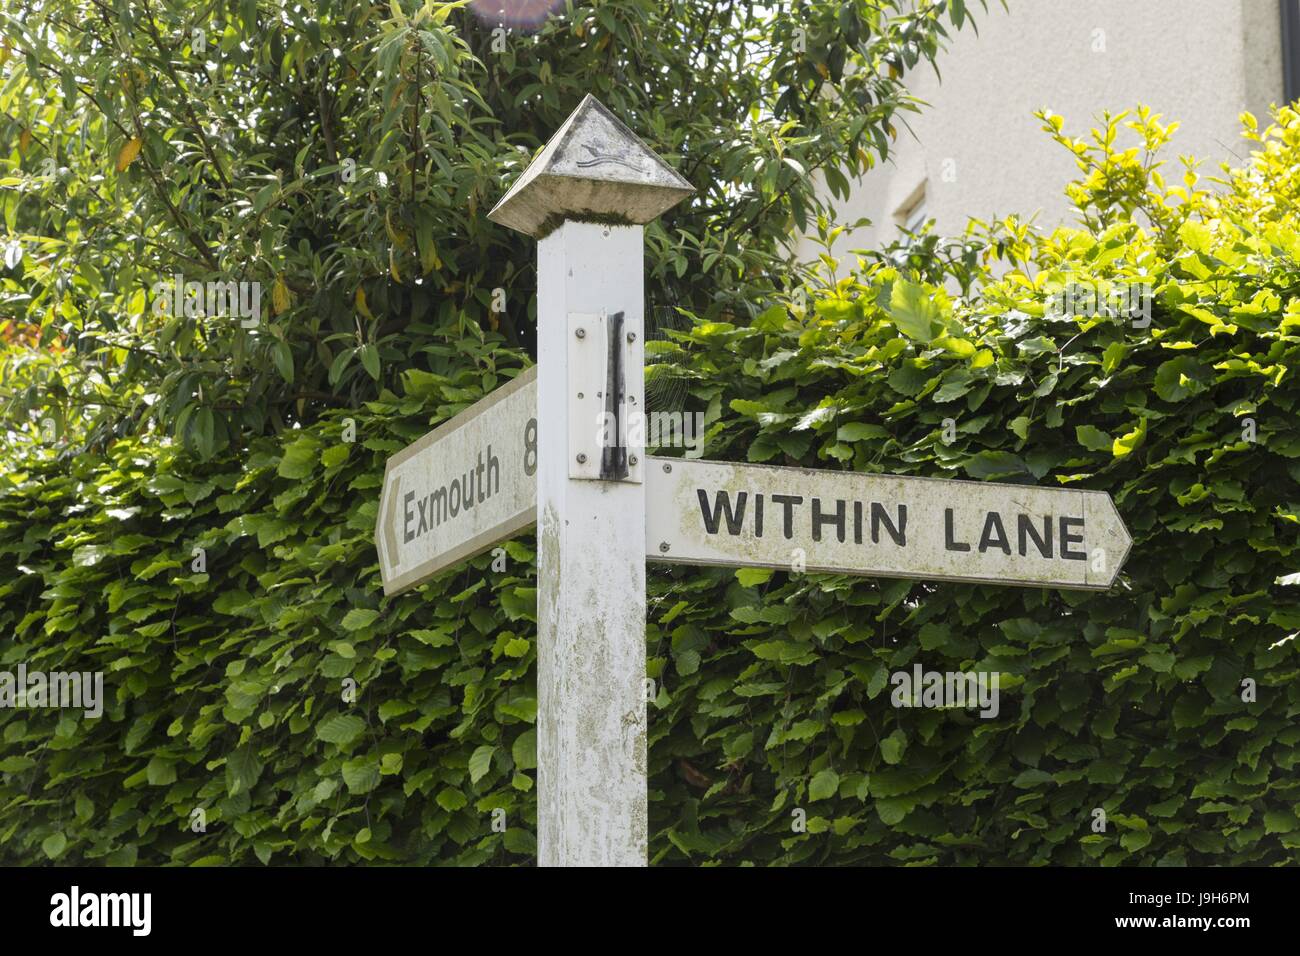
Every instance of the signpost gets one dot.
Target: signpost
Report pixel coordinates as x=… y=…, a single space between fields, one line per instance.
x=554 y=443
x=461 y=488
x=713 y=512
x=585 y=198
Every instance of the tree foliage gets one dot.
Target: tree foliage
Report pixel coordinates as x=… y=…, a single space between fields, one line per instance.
x=344 y=154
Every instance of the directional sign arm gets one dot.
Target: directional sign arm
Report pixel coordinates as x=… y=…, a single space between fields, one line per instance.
x=460 y=489
x=723 y=513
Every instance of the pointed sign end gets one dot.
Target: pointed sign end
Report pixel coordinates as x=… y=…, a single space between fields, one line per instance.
x=594 y=168
x=1118 y=533
x=386 y=532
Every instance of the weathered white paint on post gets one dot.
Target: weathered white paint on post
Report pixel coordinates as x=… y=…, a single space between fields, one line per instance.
x=591 y=605
x=591 y=711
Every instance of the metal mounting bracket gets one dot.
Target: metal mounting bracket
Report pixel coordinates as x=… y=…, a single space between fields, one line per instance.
x=606 y=381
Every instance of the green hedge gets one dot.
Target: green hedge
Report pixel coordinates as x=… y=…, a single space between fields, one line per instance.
x=227 y=689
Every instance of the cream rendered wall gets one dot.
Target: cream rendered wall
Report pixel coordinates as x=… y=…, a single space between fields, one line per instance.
x=978 y=151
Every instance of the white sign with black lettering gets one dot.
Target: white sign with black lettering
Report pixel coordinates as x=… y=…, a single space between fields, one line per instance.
x=710 y=512
x=461 y=488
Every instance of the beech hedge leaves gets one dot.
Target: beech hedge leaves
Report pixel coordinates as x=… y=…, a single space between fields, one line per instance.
x=310 y=720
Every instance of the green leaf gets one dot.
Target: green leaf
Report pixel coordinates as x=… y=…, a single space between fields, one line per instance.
x=451 y=799
x=89 y=555
x=340 y=729
x=54 y=845
x=1280 y=821
x=771 y=319
x=370 y=360
x=243 y=770
x=893 y=810
x=860 y=431
x=1135 y=840
x=1180 y=378
x=335 y=455
x=282 y=355
x=914 y=311
x=362 y=774
x=524 y=750
x=161 y=771
x=995 y=464
x=480 y=762
x=1093 y=438
x=1131 y=442
x=1028 y=779
x=358 y=618
x=299 y=459
x=824 y=785
x=892 y=747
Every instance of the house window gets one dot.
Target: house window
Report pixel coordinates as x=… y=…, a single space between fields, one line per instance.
x=911 y=215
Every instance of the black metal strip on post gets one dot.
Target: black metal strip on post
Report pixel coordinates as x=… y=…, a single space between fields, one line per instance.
x=613 y=457
x=1290 y=49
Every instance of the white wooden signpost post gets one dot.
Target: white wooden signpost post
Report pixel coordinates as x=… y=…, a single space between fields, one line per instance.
x=585 y=198
x=554 y=447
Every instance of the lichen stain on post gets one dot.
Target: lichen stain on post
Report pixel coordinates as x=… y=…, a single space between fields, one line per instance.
x=548 y=556
x=552 y=845
x=635 y=722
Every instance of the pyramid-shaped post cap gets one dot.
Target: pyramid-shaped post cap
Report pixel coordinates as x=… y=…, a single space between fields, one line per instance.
x=593 y=168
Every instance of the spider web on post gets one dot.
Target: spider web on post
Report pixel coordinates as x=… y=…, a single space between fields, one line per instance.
x=667 y=389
